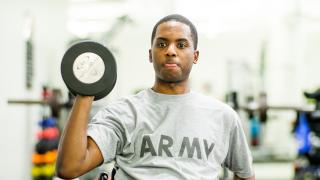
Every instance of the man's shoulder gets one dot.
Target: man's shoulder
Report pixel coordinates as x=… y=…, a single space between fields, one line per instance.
x=212 y=102
x=224 y=110
x=127 y=99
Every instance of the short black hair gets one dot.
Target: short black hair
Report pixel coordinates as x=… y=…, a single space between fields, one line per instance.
x=178 y=18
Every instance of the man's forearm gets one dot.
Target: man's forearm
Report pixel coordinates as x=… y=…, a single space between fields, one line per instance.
x=73 y=144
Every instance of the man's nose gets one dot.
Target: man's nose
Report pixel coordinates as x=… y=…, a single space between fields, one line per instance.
x=171 y=50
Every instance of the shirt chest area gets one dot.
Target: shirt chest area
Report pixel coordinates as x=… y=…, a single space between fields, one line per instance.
x=180 y=132
x=181 y=120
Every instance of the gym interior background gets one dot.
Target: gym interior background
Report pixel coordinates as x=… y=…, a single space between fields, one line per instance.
x=248 y=49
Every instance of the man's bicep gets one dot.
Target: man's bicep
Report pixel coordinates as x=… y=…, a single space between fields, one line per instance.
x=94 y=156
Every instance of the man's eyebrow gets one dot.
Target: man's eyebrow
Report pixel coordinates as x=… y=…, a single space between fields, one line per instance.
x=182 y=39
x=162 y=38
x=177 y=40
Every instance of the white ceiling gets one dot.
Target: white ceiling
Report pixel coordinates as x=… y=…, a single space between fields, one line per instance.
x=211 y=16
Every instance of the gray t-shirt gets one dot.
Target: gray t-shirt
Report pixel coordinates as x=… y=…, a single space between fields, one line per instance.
x=159 y=136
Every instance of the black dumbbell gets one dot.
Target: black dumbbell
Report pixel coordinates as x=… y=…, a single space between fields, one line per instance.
x=89 y=69
x=45 y=145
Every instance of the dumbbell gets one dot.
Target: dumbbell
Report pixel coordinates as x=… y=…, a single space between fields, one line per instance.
x=45 y=145
x=47 y=158
x=47 y=122
x=89 y=69
x=48 y=133
x=43 y=170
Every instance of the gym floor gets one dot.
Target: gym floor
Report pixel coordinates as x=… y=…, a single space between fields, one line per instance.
x=270 y=171
x=274 y=171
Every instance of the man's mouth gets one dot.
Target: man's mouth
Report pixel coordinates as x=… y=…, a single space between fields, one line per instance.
x=170 y=65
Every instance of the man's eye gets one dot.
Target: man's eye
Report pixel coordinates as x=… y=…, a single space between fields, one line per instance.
x=181 y=45
x=161 y=44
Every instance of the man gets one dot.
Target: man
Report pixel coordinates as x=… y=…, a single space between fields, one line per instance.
x=164 y=132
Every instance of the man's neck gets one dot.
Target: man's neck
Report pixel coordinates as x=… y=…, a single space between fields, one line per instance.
x=171 y=88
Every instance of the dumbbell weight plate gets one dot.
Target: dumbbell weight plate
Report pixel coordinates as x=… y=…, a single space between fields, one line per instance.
x=106 y=91
x=89 y=68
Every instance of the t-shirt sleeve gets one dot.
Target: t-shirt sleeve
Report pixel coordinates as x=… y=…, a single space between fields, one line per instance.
x=106 y=129
x=239 y=158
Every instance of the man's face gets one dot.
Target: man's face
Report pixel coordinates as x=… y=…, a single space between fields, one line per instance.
x=172 y=52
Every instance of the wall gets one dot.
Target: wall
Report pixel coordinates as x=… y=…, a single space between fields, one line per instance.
x=19 y=122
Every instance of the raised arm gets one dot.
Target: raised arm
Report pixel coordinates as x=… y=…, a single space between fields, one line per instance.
x=77 y=153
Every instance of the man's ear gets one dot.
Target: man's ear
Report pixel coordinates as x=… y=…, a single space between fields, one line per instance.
x=150 y=56
x=195 y=56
